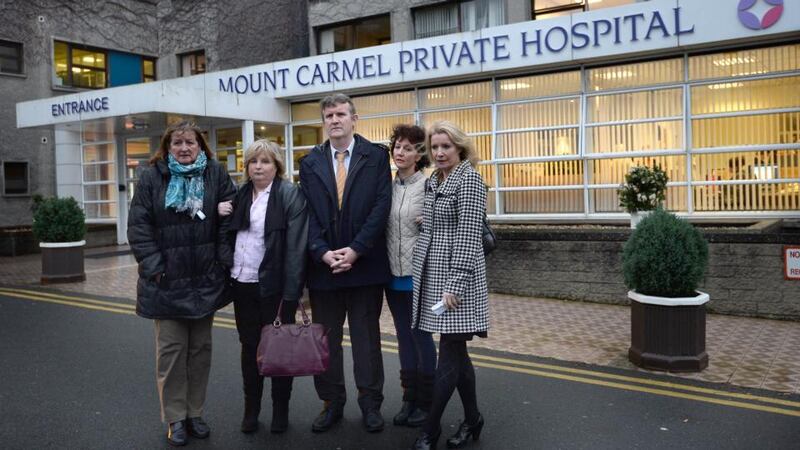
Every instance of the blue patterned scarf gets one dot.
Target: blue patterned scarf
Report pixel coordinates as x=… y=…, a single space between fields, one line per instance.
x=185 y=190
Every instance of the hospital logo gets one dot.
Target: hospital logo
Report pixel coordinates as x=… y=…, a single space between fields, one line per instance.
x=769 y=18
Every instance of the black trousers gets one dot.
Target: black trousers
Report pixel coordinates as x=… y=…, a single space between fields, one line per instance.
x=252 y=313
x=454 y=371
x=362 y=306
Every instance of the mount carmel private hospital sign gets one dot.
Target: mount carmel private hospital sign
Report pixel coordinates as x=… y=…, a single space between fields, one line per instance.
x=634 y=28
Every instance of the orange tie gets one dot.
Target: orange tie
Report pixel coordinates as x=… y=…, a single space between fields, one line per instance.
x=341 y=174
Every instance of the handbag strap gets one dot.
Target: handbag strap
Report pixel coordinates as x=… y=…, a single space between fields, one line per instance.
x=277 y=322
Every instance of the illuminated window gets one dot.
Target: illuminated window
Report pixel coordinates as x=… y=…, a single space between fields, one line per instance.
x=193 y=63
x=545 y=9
x=229 y=149
x=148 y=70
x=10 y=57
x=352 y=35
x=459 y=16
x=98 y=157
x=80 y=66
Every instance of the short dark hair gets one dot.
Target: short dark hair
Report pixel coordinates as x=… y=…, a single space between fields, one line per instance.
x=336 y=99
x=416 y=136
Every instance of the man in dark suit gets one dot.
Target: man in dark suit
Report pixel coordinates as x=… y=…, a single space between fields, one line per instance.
x=347 y=182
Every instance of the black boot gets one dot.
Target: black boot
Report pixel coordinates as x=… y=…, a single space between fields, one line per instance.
x=465 y=432
x=280 y=415
x=408 y=380
x=252 y=407
x=419 y=414
x=426 y=441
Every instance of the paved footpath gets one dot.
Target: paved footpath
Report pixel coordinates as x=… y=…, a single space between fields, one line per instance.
x=746 y=352
x=78 y=372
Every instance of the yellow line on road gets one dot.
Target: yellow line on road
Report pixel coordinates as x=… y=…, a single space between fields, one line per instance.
x=66 y=302
x=499 y=363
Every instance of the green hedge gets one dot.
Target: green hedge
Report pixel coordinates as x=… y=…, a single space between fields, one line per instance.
x=58 y=220
x=665 y=257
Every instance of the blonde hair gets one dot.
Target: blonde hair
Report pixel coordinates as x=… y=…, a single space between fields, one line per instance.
x=265 y=147
x=464 y=144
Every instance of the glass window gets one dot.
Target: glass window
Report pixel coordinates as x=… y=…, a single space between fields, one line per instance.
x=193 y=63
x=549 y=173
x=379 y=129
x=538 y=114
x=759 y=165
x=306 y=111
x=753 y=95
x=473 y=120
x=635 y=75
x=274 y=133
x=10 y=57
x=229 y=148
x=552 y=201
x=80 y=66
x=635 y=105
x=454 y=17
x=352 y=35
x=606 y=200
x=548 y=85
x=16 y=178
x=612 y=171
x=383 y=103
x=100 y=210
x=148 y=70
x=635 y=137
x=306 y=135
x=460 y=94
x=762 y=129
x=545 y=9
x=534 y=144
x=745 y=62
x=747 y=197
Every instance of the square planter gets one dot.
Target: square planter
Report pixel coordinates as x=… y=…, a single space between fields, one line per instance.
x=668 y=333
x=62 y=262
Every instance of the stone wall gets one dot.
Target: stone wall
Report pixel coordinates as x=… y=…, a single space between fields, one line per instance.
x=744 y=277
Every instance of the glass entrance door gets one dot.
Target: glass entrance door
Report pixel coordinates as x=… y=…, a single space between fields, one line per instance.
x=137 y=155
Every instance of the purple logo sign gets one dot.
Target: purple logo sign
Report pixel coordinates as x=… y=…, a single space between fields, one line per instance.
x=752 y=21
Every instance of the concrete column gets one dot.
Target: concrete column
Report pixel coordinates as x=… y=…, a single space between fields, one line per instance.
x=248 y=133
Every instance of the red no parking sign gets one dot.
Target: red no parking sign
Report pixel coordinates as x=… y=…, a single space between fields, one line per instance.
x=791 y=262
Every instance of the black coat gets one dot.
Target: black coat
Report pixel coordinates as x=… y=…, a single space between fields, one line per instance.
x=193 y=254
x=282 y=272
x=361 y=222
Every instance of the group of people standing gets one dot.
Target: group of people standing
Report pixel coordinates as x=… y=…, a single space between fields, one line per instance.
x=350 y=234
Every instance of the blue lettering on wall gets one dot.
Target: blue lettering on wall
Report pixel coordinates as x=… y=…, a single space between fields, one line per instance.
x=538 y=40
x=96 y=104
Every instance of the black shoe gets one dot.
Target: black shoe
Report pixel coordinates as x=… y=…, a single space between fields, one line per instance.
x=197 y=427
x=417 y=418
x=465 y=432
x=176 y=434
x=327 y=418
x=280 y=416
x=373 y=421
x=426 y=441
x=401 y=418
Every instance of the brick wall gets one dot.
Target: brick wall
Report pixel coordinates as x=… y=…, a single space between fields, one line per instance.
x=744 y=276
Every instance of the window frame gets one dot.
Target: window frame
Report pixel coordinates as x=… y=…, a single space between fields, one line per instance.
x=20 y=56
x=193 y=54
x=70 y=82
x=349 y=23
x=575 y=7
x=27 y=192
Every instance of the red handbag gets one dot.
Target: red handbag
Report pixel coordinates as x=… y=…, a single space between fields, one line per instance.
x=293 y=349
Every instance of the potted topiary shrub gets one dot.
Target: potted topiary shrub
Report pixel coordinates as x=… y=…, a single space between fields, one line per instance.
x=643 y=191
x=663 y=262
x=60 y=226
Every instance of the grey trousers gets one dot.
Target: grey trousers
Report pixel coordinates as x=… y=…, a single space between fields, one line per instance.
x=183 y=362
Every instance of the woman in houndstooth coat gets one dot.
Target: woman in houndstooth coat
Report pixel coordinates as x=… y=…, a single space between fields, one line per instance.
x=449 y=267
